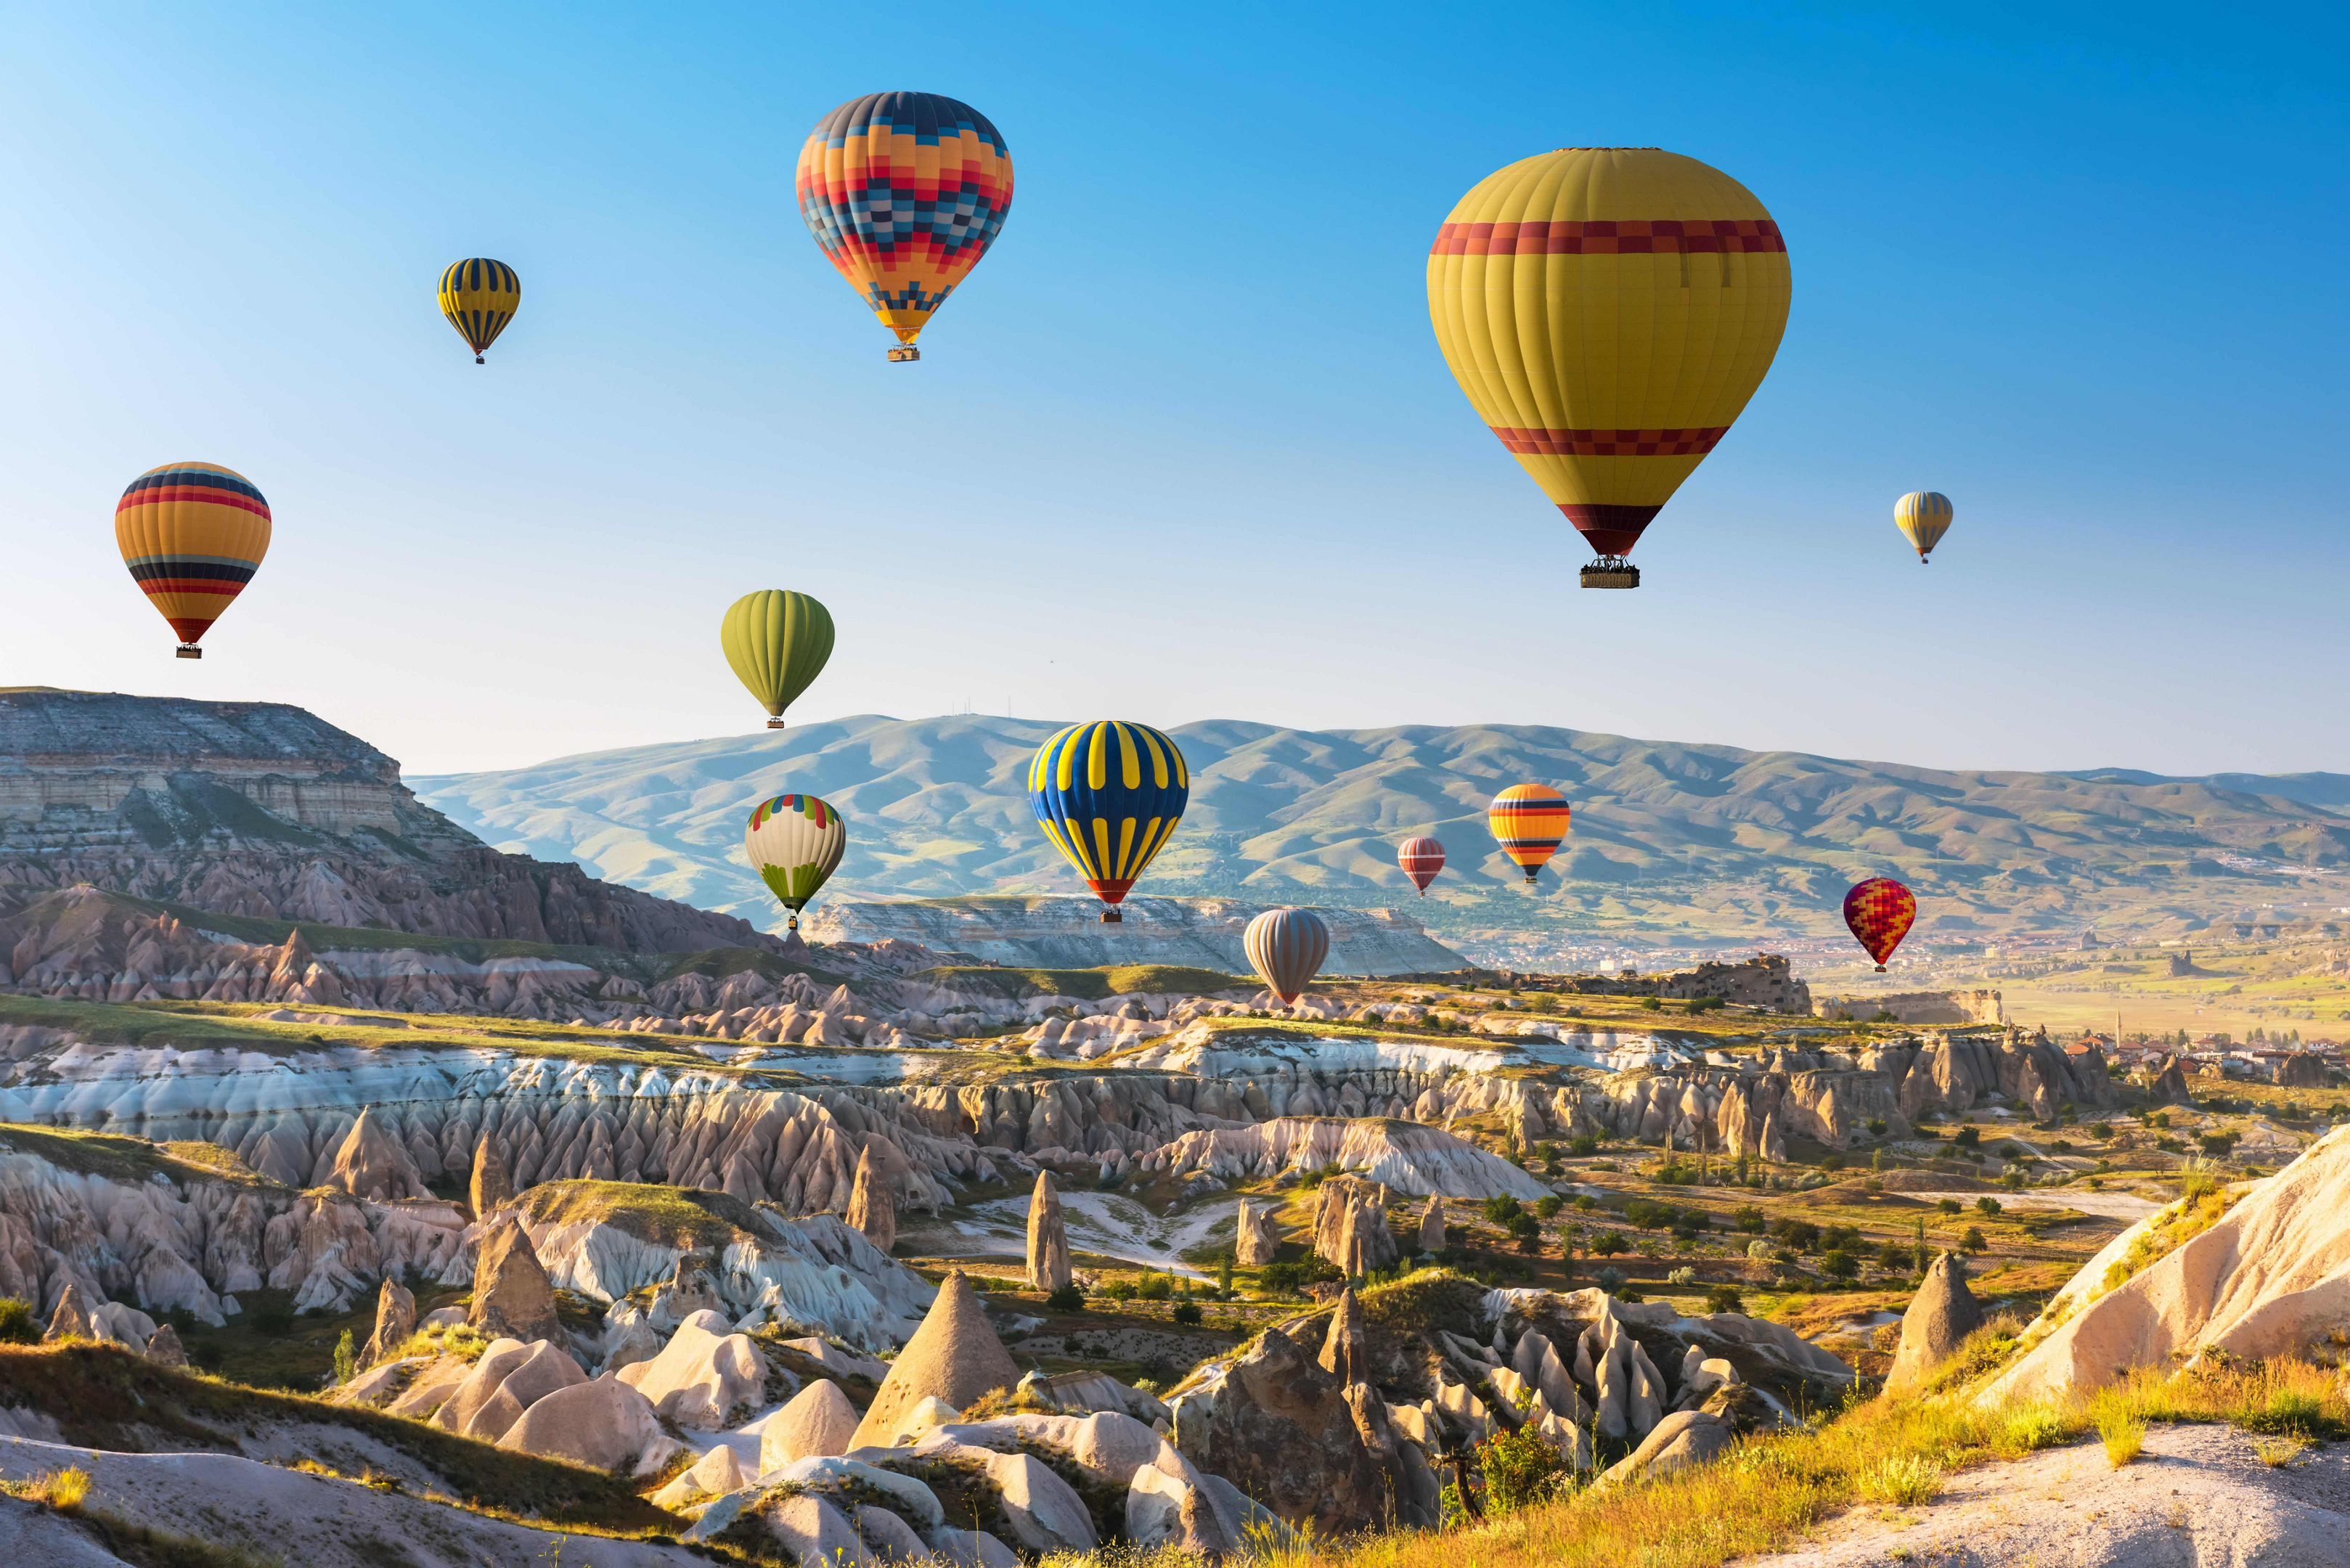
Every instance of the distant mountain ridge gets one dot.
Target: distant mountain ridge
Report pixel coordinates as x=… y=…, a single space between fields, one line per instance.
x=1669 y=839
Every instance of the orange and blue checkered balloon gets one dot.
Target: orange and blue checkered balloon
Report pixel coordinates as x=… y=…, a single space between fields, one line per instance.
x=1109 y=794
x=904 y=191
x=1529 y=821
x=1879 y=913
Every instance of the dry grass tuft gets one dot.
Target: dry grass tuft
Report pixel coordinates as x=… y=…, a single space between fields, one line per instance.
x=64 y=1490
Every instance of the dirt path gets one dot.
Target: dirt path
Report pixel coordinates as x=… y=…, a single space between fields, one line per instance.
x=2197 y=1496
x=2122 y=1205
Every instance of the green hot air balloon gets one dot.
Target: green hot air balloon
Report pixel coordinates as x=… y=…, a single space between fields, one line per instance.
x=777 y=642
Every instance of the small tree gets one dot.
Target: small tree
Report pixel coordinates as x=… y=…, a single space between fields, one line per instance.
x=1973 y=1241
x=1839 y=1264
x=1224 y=1272
x=1725 y=1298
x=347 y=1359
x=1520 y=1469
x=18 y=1323
x=1070 y=1297
x=1187 y=1313
x=1987 y=1206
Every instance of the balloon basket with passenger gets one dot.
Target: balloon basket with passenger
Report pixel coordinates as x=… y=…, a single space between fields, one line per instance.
x=904 y=354
x=1611 y=572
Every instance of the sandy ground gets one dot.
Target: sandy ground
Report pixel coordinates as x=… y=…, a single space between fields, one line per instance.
x=317 y=1522
x=2198 y=1498
x=1112 y=1225
x=2122 y=1205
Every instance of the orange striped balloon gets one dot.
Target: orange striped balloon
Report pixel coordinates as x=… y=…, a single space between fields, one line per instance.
x=192 y=534
x=1529 y=821
x=1879 y=913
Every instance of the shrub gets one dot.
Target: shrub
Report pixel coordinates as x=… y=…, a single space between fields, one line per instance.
x=1549 y=1204
x=1684 y=1276
x=1899 y=1256
x=1070 y=1297
x=2124 y=1436
x=1280 y=1278
x=2009 y=1151
x=1987 y=1206
x=1611 y=1279
x=1967 y=1137
x=1187 y=1313
x=1748 y=1218
x=1520 y=1469
x=1651 y=1004
x=2025 y=1430
x=62 y=1489
x=1759 y=1251
x=18 y=1325
x=1725 y=1298
x=1800 y=1234
x=1501 y=1210
x=1832 y=1162
x=1901 y=1480
x=1839 y=1265
x=1947 y=1206
x=1583 y=1143
x=1155 y=1288
x=1585 y=1203
x=1973 y=1241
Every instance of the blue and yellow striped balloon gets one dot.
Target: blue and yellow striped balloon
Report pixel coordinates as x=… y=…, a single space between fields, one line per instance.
x=1109 y=794
x=1923 y=517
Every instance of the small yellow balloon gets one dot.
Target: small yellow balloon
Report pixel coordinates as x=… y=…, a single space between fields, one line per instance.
x=1925 y=517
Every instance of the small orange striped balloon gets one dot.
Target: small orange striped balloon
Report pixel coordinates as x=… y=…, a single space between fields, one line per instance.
x=1879 y=913
x=1529 y=821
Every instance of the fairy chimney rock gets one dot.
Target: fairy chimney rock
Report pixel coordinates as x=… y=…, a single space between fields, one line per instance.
x=373 y=1164
x=492 y=1185
x=954 y=1358
x=1431 y=1225
x=512 y=1297
x=1048 y=1240
x=1254 y=1241
x=870 y=1207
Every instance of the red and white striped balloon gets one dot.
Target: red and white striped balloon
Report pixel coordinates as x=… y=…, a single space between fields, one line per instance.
x=1421 y=859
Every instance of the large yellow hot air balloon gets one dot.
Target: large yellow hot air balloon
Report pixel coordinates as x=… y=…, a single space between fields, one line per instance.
x=1608 y=310
x=776 y=641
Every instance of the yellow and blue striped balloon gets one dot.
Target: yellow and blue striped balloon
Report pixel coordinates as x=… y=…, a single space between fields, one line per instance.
x=479 y=296
x=1924 y=517
x=1109 y=794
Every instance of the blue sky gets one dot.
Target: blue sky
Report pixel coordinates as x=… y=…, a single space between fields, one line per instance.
x=1183 y=447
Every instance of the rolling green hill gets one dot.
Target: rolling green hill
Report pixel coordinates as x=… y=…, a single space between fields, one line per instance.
x=1671 y=840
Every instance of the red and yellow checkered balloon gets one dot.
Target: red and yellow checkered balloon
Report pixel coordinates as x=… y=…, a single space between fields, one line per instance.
x=1879 y=913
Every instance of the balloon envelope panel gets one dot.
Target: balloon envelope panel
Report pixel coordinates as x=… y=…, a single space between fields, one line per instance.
x=192 y=534
x=1109 y=794
x=904 y=192
x=1608 y=311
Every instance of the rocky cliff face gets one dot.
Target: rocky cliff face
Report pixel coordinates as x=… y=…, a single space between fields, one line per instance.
x=1067 y=933
x=259 y=809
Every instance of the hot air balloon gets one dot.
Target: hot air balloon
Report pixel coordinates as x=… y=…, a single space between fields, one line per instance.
x=1924 y=515
x=192 y=534
x=479 y=296
x=1421 y=859
x=777 y=642
x=904 y=191
x=1530 y=822
x=1608 y=310
x=795 y=842
x=1879 y=913
x=1109 y=794
x=1287 y=946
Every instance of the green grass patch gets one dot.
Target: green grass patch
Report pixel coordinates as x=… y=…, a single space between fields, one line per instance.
x=664 y=1216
